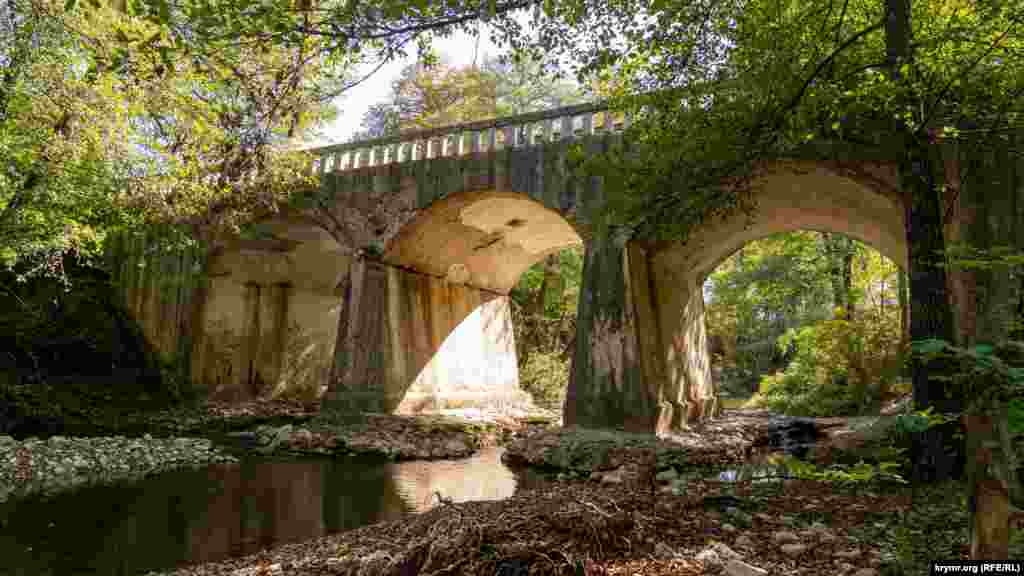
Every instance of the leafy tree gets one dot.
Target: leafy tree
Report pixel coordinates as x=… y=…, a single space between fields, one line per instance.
x=431 y=95
x=95 y=138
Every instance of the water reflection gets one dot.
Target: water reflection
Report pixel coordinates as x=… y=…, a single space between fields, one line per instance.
x=205 y=515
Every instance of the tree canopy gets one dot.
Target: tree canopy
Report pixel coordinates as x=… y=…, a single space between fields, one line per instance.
x=95 y=138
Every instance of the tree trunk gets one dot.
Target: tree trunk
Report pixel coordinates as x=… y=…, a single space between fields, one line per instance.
x=840 y=259
x=904 y=299
x=930 y=313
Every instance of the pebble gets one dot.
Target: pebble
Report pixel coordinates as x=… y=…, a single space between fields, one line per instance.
x=793 y=549
x=785 y=537
x=744 y=541
x=847 y=554
x=61 y=463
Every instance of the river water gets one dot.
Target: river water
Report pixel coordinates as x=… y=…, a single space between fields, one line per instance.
x=204 y=515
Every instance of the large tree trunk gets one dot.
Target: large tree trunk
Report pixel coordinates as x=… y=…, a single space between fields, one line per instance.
x=930 y=314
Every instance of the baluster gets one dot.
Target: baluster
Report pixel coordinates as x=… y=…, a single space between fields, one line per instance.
x=566 y=131
x=510 y=137
x=474 y=143
x=587 y=126
x=627 y=119
x=492 y=139
x=545 y=131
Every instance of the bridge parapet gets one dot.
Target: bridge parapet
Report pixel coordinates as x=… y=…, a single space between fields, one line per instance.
x=518 y=131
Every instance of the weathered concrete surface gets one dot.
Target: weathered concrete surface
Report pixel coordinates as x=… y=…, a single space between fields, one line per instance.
x=410 y=341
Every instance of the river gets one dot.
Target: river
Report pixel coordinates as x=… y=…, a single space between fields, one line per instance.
x=204 y=515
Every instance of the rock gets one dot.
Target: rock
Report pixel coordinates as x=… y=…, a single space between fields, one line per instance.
x=725 y=552
x=744 y=541
x=734 y=567
x=845 y=567
x=728 y=527
x=613 y=477
x=827 y=537
x=709 y=557
x=785 y=537
x=793 y=549
x=850 y=554
x=662 y=551
x=866 y=572
x=595 y=476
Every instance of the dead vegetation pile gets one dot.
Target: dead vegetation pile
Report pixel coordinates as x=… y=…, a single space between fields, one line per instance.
x=586 y=529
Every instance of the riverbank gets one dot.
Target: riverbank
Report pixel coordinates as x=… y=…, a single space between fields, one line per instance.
x=35 y=466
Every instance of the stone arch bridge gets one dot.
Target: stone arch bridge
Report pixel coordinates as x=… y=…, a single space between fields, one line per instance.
x=389 y=285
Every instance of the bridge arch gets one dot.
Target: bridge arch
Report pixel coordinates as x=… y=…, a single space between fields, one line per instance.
x=663 y=374
x=436 y=303
x=485 y=239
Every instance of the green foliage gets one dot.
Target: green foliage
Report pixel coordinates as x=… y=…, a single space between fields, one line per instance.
x=545 y=374
x=103 y=127
x=429 y=95
x=841 y=367
x=718 y=88
x=859 y=472
x=978 y=374
x=766 y=308
x=544 y=309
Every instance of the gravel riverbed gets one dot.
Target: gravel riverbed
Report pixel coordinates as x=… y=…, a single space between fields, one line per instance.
x=35 y=466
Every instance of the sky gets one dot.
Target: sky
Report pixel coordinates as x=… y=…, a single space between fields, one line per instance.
x=458 y=50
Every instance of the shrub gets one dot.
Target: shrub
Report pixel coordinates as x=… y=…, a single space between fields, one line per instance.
x=840 y=367
x=545 y=374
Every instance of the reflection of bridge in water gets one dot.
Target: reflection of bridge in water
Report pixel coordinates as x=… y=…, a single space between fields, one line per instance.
x=195 y=516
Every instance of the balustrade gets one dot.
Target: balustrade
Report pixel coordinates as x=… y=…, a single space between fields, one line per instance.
x=466 y=139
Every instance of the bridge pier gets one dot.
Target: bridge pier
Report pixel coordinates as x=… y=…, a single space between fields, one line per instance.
x=640 y=361
x=408 y=341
